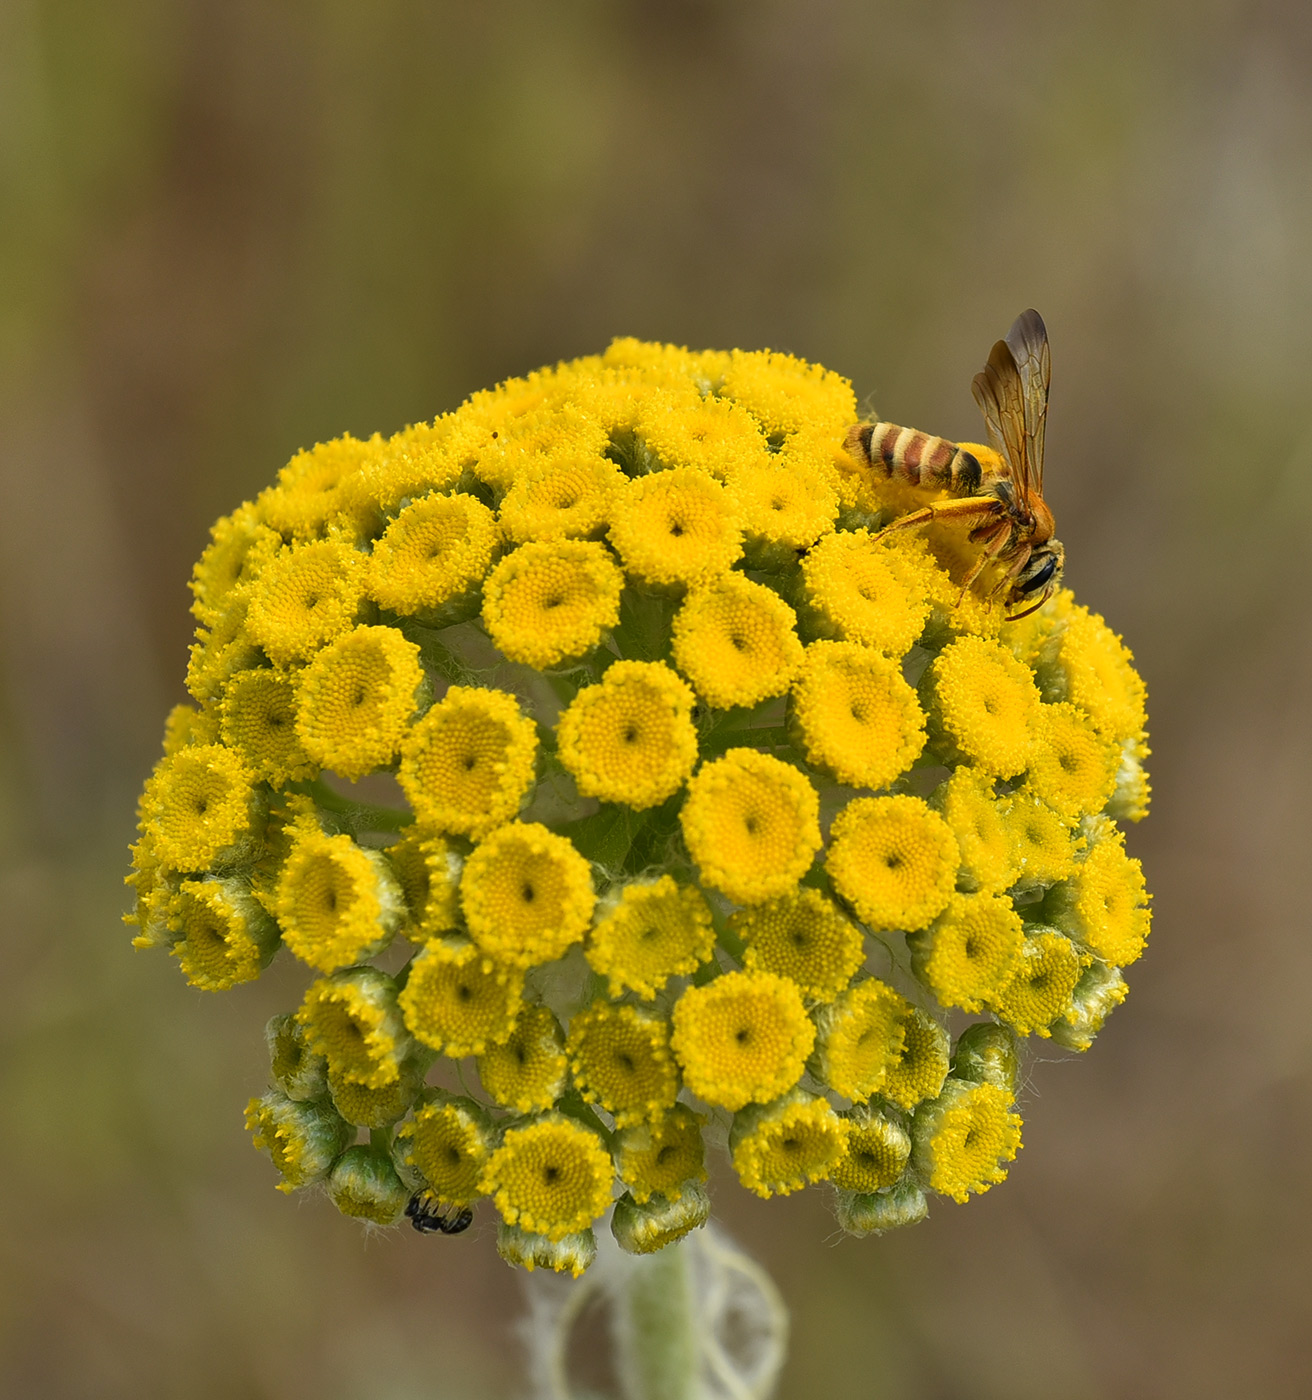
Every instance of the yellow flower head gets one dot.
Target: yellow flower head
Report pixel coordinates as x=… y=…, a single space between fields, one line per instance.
x=337 y=903
x=787 y=1145
x=528 y=1071
x=293 y=1066
x=421 y=458
x=355 y=699
x=651 y=931
x=787 y=395
x=222 y=649
x=676 y=527
x=226 y=937
x=1093 y=669
x=860 y=1037
x=566 y=498
x=967 y=803
x=751 y=823
x=353 y=1021
x=1072 y=768
x=803 y=936
x=743 y=1038
x=466 y=765
x=852 y=592
x=662 y=1157
x=550 y=601
x=527 y=894
x=1043 y=845
x=969 y=953
x=302 y=1139
x=314 y=488
x=551 y=1177
x=709 y=434
x=854 y=715
x=736 y=641
x=894 y=860
x=458 y=1001
x=878 y=1148
x=200 y=810
x=377 y=1108
x=428 y=872
x=259 y=723
x=963 y=1137
x=432 y=558
x=783 y=510
x=448 y=1143
x=1104 y=904
x=1044 y=982
x=240 y=546
x=185 y=725
x=985 y=706
x=620 y=1058
x=644 y=1229
x=631 y=738
x=305 y=596
x=923 y=1066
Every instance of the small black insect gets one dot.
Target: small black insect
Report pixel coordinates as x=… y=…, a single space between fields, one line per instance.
x=429 y=1215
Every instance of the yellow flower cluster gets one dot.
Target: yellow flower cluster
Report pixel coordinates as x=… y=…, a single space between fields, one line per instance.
x=594 y=738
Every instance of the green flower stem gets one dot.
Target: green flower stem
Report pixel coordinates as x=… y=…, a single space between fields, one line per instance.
x=657 y=1342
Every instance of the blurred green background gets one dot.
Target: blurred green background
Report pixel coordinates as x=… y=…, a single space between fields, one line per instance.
x=234 y=227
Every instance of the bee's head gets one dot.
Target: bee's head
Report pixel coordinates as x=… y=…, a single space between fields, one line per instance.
x=1037 y=581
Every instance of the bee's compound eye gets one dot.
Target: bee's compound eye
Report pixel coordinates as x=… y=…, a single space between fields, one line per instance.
x=1040 y=577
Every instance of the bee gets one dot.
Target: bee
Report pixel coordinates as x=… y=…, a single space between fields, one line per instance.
x=1003 y=504
x=429 y=1215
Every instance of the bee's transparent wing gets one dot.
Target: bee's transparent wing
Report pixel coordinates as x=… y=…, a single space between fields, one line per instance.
x=1012 y=393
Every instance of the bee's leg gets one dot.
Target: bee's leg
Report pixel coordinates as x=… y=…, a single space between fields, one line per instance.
x=982 y=508
x=990 y=552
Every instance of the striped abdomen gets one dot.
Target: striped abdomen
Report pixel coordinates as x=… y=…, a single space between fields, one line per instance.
x=905 y=455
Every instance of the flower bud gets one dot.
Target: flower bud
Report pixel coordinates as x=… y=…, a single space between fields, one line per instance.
x=302 y=1139
x=364 y=1183
x=880 y=1211
x=1097 y=994
x=986 y=1054
x=643 y=1229
x=573 y=1252
x=296 y=1069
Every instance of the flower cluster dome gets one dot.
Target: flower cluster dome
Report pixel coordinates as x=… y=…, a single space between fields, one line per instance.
x=625 y=794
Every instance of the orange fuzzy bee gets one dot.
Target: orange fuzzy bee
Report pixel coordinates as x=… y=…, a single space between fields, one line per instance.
x=1002 y=503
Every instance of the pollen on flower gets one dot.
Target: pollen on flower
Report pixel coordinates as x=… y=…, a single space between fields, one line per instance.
x=1043 y=984
x=620 y=1058
x=200 y=809
x=551 y=601
x=963 y=1138
x=304 y=597
x=355 y=699
x=527 y=894
x=448 y=1142
x=969 y=953
x=860 y=1037
x=259 y=723
x=854 y=715
x=736 y=641
x=467 y=764
x=337 y=903
x=528 y=1071
x=433 y=556
x=743 y=1038
x=851 y=592
x=804 y=936
x=675 y=527
x=631 y=738
x=787 y=1145
x=751 y=822
x=661 y=1157
x=550 y=1177
x=651 y=931
x=457 y=1000
x=984 y=706
x=894 y=860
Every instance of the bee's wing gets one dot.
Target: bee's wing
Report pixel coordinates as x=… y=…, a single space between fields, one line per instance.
x=1012 y=392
